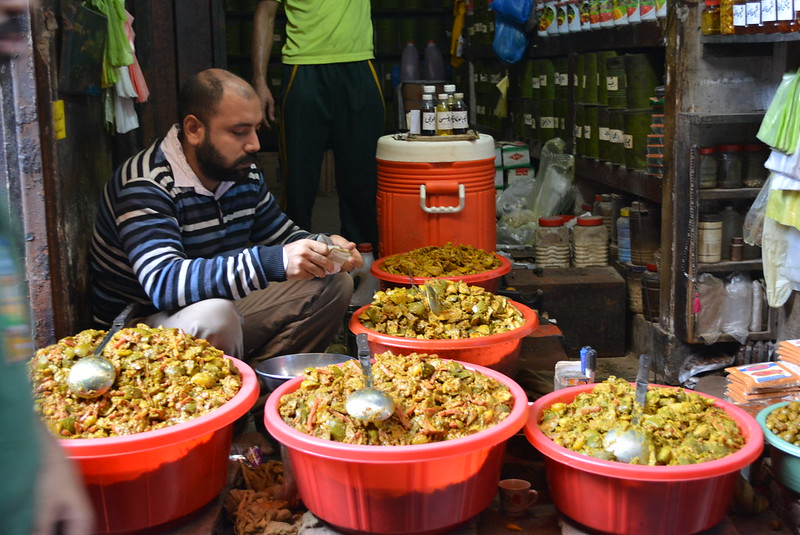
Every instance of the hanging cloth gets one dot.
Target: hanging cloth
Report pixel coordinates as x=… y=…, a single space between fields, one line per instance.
x=118 y=50
x=134 y=69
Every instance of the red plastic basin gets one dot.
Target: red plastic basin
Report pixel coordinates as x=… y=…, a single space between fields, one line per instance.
x=621 y=498
x=497 y=351
x=141 y=481
x=489 y=280
x=422 y=489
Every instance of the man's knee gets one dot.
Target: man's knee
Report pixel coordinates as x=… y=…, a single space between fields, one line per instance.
x=339 y=289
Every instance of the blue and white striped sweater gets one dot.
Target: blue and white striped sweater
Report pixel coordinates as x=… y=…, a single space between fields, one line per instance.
x=169 y=246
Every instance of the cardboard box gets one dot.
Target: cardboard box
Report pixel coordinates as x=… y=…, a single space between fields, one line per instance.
x=499 y=177
x=518 y=173
x=516 y=154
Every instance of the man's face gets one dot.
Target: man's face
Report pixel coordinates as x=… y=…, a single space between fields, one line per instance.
x=230 y=142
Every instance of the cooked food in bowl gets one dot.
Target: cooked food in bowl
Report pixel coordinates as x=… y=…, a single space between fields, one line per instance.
x=784 y=422
x=445 y=261
x=683 y=426
x=435 y=400
x=464 y=311
x=164 y=377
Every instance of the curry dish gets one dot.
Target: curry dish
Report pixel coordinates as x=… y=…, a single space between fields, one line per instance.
x=465 y=312
x=684 y=427
x=164 y=377
x=446 y=261
x=435 y=400
x=785 y=422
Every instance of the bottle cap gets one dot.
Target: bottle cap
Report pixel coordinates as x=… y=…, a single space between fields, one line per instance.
x=710 y=3
x=707 y=150
x=442 y=96
x=459 y=95
x=590 y=221
x=625 y=211
x=652 y=268
x=551 y=221
x=429 y=89
x=427 y=96
x=450 y=88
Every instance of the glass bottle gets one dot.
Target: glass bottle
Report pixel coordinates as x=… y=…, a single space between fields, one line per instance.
x=624 y=235
x=708 y=167
x=460 y=119
x=444 y=117
x=428 y=115
x=726 y=17
x=729 y=174
x=710 y=18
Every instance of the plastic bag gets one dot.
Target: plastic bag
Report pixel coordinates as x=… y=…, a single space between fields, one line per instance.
x=515 y=197
x=738 y=302
x=510 y=41
x=554 y=190
x=774 y=248
x=516 y=228
x=780 y=126
x=518 y=11
x=754 y=220
x=711 y=292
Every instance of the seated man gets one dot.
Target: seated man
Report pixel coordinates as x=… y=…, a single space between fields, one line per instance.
x=189 y=229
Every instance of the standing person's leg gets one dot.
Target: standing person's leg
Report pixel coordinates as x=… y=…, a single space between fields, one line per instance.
x=294 y=316
x=303 y=139
x=358 y=123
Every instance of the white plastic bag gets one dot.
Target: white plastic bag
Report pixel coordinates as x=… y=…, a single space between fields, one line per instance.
x=554 y=190
x=738 y=303
x=774 y=247
x=711 y=292
x=754 y=220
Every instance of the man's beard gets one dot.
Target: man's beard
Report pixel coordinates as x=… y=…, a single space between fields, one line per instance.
x=214 y=167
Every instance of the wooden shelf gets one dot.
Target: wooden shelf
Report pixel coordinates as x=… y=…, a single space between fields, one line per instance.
x=725 y=266
x=714 y=194
x=635 y=182
x=749 y=39
x=703 y=119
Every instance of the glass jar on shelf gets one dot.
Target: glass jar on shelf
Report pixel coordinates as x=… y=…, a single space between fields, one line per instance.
x=552 y=242
x=590 y=242
x=754 y=174
x=710 y=19
x=708 y=167
x=726 y=17
x=729 y=173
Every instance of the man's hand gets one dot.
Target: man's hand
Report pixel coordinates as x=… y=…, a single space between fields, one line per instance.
x=267 y=101
x=308 y=259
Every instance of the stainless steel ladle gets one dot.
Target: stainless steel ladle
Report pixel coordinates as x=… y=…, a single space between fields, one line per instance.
x=369 y=403
x=632 y=442
x=93 y=375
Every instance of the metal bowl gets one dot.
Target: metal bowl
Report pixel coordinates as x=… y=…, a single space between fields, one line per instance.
x=275 y=371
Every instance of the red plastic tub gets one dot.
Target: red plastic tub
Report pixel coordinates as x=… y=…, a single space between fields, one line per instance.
x=146 y=480
x=497 y=351
x=489 y=280
x=622 y=498
x=422 y=489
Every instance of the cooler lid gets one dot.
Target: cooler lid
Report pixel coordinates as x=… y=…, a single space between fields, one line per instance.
x=398 y=150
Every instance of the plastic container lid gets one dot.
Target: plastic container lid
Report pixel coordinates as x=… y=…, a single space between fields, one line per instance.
x=711 y=3
x=590 y=221
x=652 y=267
x=707 y=150
x=364 y=247
x=399 y=150
x=625 y=211
x=729 y=148
x=551 y=221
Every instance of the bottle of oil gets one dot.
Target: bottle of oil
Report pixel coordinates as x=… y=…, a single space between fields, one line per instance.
x=428 y=115
x=460 y=120
x=444 y=117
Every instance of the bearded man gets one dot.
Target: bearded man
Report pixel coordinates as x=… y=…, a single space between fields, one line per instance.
x=189 y=230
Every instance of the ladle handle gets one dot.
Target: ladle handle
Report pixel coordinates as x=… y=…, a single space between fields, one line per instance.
x=365 y=357
x=640 y=397
x=119 y=322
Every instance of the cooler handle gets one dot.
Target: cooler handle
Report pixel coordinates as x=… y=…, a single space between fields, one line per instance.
x=441 y=209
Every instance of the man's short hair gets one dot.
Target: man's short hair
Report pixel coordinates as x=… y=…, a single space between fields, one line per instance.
x=200 y=96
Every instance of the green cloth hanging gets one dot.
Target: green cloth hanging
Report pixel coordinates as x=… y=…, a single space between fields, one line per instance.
x=118 y=51
x=780 y=127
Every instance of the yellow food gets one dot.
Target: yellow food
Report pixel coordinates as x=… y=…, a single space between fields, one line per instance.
x=435 y=400
x=684 y=427
x=164 y=377
x=446 y=261
x=785 y=422
x=466 y=312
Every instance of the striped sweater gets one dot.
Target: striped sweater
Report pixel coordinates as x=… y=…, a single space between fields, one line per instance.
x=169 y=246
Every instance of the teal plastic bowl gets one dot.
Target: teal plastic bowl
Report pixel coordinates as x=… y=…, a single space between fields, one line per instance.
x=785 y=456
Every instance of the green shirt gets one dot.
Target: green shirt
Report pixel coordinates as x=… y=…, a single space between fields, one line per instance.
x=327 y=31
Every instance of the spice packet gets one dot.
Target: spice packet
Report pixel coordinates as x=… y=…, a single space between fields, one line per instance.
x=764 y=375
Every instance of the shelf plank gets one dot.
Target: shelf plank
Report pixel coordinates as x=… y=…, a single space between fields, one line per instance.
x=750 y=38
x=743 y=265
x=724 y=194
x=632 y=36
x=632 y=181
x=722 y=118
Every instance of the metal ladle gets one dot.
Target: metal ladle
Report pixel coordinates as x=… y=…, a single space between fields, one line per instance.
x=429 y=295
x=631 y=442
x=368 y=403
x=93 y=375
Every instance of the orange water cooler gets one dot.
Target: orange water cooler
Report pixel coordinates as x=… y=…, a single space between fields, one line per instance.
x=432 y=192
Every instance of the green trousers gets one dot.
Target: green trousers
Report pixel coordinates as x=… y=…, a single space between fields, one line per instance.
x=338 y=106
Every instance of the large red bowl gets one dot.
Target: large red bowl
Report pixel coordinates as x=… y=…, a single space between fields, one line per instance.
x=489 y=280
x=497 y=351
x=397 y=490
x=140 y=481
x=615 y=497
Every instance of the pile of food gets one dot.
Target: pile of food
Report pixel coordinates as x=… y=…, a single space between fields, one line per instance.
x=164 y=377
x=446 y=261
x=683 y=427
x=465 y=312
x=435 y=399
x=785 y=422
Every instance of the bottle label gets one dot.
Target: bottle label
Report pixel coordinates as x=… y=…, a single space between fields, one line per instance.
x=614 y=135
x=578 y=131
x=612 y=83
x=542 y=80
x=587 y=132
x=548 y=122
x=603 y=133
x=535 y=82
x=444 y=120
x=627 y=140
x=768 y=13
x=739 y=15
x=460 y=120
x=527 y=119
x=429 y=121
x=753 y=13
x=785 y=9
